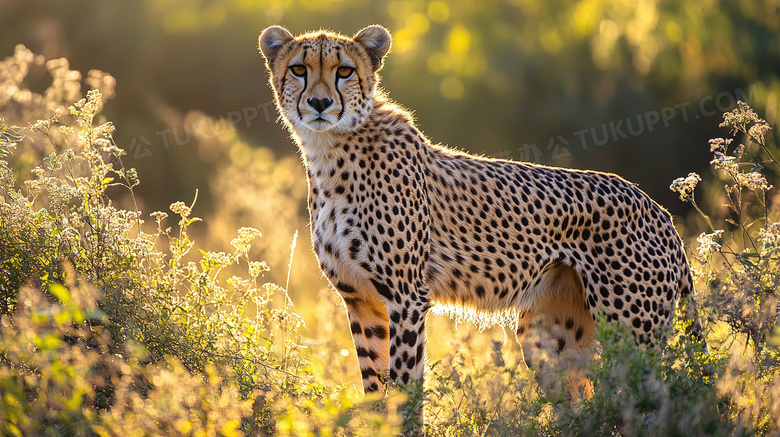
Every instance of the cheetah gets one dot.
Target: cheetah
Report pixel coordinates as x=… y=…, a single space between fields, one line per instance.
x=399 y=223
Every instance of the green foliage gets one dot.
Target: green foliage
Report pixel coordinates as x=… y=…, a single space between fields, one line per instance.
x=746 y=286
x=184 y=312
x=492 y=397
x=640 y=391
x=158 y=298
x=636 y=391
x=58 y=377
x=737 y=263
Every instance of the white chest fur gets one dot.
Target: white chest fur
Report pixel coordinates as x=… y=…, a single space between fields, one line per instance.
x=339 y=232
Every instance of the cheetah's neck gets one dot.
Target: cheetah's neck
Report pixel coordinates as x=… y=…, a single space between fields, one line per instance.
x=316 y=146
x=320 y=148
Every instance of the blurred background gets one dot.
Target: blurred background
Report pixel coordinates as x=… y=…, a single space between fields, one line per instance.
x=634 y=87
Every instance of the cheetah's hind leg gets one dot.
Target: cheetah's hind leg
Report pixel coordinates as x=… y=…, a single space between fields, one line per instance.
x=556 y=331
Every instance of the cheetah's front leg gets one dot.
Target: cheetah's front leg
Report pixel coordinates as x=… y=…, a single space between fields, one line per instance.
x=407 y=340
x=407 y=353
x=369 y=325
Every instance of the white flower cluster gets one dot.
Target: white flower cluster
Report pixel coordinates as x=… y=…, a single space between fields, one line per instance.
x=720 y=144
x=753 y=181
x=725 y=162
x=257 y=267
x=707 y=243
x=245 y=237
x=180 y=208
x=684 y=186
x=770 y=235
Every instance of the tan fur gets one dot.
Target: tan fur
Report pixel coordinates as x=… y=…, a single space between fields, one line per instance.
x=557 y=329
x=560 y=303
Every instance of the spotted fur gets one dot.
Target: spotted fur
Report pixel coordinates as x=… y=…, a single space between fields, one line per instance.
x=399 y=223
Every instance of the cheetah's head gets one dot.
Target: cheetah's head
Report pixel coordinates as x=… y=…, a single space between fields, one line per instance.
x=323 y=81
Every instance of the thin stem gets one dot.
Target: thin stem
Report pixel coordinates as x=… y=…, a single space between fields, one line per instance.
x=706 y=217
x=130 y=188
x=286 y=300
x=772 y=158
x=745 y=233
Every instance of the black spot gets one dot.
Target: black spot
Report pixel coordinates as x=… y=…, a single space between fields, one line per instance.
x=363 y=352
x=367 y=373
x=344 y=288
x=410 y=337
x=382 y=289
x=380 y=331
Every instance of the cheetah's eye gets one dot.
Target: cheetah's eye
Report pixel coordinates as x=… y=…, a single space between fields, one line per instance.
x=298 y=70
x=344 y=72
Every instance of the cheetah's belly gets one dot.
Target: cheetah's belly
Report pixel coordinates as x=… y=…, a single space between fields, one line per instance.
x=453 y=278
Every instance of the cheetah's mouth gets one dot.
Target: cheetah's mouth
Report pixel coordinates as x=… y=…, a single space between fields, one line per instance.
x=319 y=123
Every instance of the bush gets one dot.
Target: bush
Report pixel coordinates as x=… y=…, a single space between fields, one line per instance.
x=737 y=264
x=59 y=378
x=154 y=293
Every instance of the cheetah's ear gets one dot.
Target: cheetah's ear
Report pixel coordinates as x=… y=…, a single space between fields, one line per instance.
x=376 y=40
x=272 y=39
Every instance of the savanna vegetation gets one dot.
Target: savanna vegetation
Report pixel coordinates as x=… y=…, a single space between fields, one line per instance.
x=118 y=319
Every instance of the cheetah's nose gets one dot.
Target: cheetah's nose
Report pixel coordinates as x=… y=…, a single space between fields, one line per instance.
x=319 y=105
